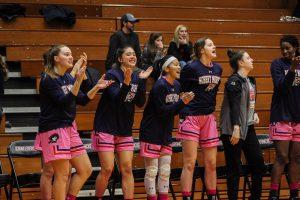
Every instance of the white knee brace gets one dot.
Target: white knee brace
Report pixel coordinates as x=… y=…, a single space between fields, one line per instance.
x=164 y=172
x=151 y=173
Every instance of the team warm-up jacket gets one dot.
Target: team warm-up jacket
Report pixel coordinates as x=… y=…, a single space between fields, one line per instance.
x=115 y=111
x=204 y=82
x=285 y=100
x=58 y=103
x=158 y=118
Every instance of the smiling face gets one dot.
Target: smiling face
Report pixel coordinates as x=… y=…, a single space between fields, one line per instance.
x=173 y=70
x=246 y=62
x=287 y=50
x=64 y=58
x=128 y=58
x=209 y=50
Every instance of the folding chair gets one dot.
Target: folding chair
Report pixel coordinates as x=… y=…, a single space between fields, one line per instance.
x=22 y=149
x=4 y=181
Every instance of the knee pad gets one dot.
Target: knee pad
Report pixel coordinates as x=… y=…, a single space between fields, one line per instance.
x=151 y=172
x=165 y=171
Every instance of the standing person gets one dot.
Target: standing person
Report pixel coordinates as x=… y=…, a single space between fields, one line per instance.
x=47 y=171
x=181 y=47
x=197 y=121
x=237 y=126
x=157 y=125
x=58 y=137
x=285 y=116
x=114 y=119
x=124 y=37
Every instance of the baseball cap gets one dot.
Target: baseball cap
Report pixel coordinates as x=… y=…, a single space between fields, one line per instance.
x=128 y=17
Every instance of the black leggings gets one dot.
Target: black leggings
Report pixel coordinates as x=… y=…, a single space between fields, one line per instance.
x=253 y=154
x=287 y=152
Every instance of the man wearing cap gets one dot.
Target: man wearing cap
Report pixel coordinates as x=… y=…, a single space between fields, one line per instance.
x=125 y=36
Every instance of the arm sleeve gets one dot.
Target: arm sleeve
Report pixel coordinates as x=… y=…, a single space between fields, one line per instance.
x=281 y=81
x=234 y=91
x=82 y=98
x=162 y=109
x=116 y=93
x=113 y=46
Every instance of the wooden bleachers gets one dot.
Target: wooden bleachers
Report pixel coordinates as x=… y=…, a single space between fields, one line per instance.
x=113 y=10
x=211 y=3
x=33 y=52
x=38 y=24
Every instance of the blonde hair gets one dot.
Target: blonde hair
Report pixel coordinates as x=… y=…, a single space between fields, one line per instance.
x=50 y=62
x=176 y=34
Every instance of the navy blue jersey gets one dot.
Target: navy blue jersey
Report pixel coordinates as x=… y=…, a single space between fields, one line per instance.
x=158 y=118
x=115 y=111
x=204 y=82
x=284 y=105
x=58 y=103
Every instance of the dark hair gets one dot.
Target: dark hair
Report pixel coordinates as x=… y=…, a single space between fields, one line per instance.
x=234 y=58
x=119 y=54
x=293 y=40
x=50 y=62
x=162 y=62
x=151 y=48
x=199 y=44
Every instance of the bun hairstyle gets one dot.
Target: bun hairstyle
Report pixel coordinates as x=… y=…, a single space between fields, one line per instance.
x=119 y=54
x=293 y=40
x=234 y=58
x=199 y=44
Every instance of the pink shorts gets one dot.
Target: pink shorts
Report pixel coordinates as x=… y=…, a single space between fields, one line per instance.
x=154 y=150
x=107 y=142
x=61 y=143
x=201 y=128
x=285 y=131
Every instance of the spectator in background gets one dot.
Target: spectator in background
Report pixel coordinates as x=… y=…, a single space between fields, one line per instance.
x=153 y=52
x=180 y=46
x=3 y=77
x=124 y=37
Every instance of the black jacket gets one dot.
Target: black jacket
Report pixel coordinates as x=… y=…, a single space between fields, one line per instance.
x=118 y=40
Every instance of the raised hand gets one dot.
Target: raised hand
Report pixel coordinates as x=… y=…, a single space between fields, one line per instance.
x=295 y=63
x=182 y=40
x=102 y=83
x=145 y=74
x=187 y=97
x=127 y=76
x=81 y=73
